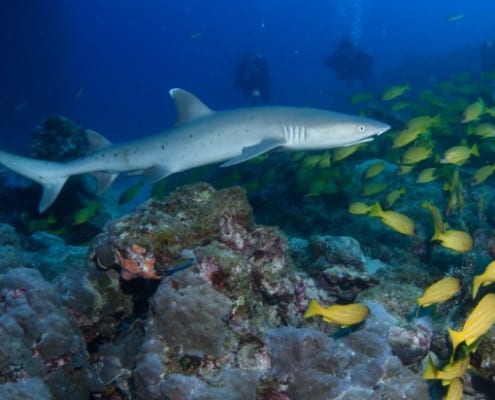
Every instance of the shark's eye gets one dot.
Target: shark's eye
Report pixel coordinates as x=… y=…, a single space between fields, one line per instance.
x=361 y=128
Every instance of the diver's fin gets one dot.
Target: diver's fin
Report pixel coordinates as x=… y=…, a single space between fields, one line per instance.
x=51 y=189
x=96 y=140
x=103 y=180
x=254 y=151
x=188 y=106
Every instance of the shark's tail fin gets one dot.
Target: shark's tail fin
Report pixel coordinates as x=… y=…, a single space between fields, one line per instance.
x=50 y=175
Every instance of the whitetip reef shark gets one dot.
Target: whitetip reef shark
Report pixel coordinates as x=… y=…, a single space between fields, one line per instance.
x=200 y=136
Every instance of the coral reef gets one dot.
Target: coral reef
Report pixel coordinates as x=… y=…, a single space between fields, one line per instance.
x=39 y=339
x=120 y=325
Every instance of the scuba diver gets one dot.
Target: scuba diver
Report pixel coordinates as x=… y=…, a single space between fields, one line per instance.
x=252 y=77
x=350 y=63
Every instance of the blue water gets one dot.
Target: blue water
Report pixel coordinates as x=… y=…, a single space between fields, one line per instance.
x=109 y=64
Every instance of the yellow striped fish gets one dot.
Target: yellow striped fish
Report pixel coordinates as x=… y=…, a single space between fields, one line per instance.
x=484 y=279
x=440 y=291
x=343 y=315
x=451 y=371
x=477 y=324
x=455 y=390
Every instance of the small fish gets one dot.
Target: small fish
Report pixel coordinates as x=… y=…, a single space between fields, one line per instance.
x=459 y=241
x=130 y=193
x=455 y=17
x=477 y=324
x=374 y=170
x=485 y=130
x=343 y=315
x=311 y=161
x=344 y=152
x=401 y=105
x=85 y=214
x=473 y=111
x=21 y=106
x=423 y=122
x=451 y=371
x=359 y=208
x=440 y=291
x=372 y=188
x=159 y=189
x=360 y=97
x=455 y=390
x=405 y=169
x=437 y=217
x=196 y=35
x=486 y=278
x=482 y=174
x=416 y=154
x=405 y=137
x=41 y=224
x=427 y=175
x=394 y=92
x=458 y=155
x=393 y=196
x=397 y=221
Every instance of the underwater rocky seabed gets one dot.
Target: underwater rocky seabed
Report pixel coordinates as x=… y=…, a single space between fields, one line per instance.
x=231 y=325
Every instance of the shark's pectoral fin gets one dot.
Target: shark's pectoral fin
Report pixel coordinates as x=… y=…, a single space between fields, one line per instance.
x=103 y=180
x=155 y=173
x=51 y=189
x=254 y=151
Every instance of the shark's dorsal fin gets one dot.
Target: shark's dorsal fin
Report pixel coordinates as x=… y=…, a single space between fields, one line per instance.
x=188 y=106
x=96 y=140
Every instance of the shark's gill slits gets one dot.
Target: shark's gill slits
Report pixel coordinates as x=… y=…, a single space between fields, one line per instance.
x=294 y=133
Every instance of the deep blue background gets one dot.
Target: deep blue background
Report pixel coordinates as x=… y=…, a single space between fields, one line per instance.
x=108 y=64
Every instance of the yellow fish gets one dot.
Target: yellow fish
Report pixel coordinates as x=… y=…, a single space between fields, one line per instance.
x=427 y=175
x=423 y=122
x=344 y=152
x=477 y=324
x=485 y=130
x=397 y=221
x=85 y=214
x=360 y=97
x=359 y=208
x=455 y=390
x=473 y=111
x=130 y=193
x=374 y=169
x=405 y=137
x=440 y=291
x=372 y=188
x=401 y=105
x=393 y=196
x=405 y=169
x=484 y=279
x=416 y=154
x=394 y=92
x=311 y=161
x=452 y=239
x=459 y=241
x=450 y=372
x=458 y=155
x=482 y=174
x=343 y=315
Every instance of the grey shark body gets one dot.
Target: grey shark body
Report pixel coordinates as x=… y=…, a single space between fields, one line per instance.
x=200 y=136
